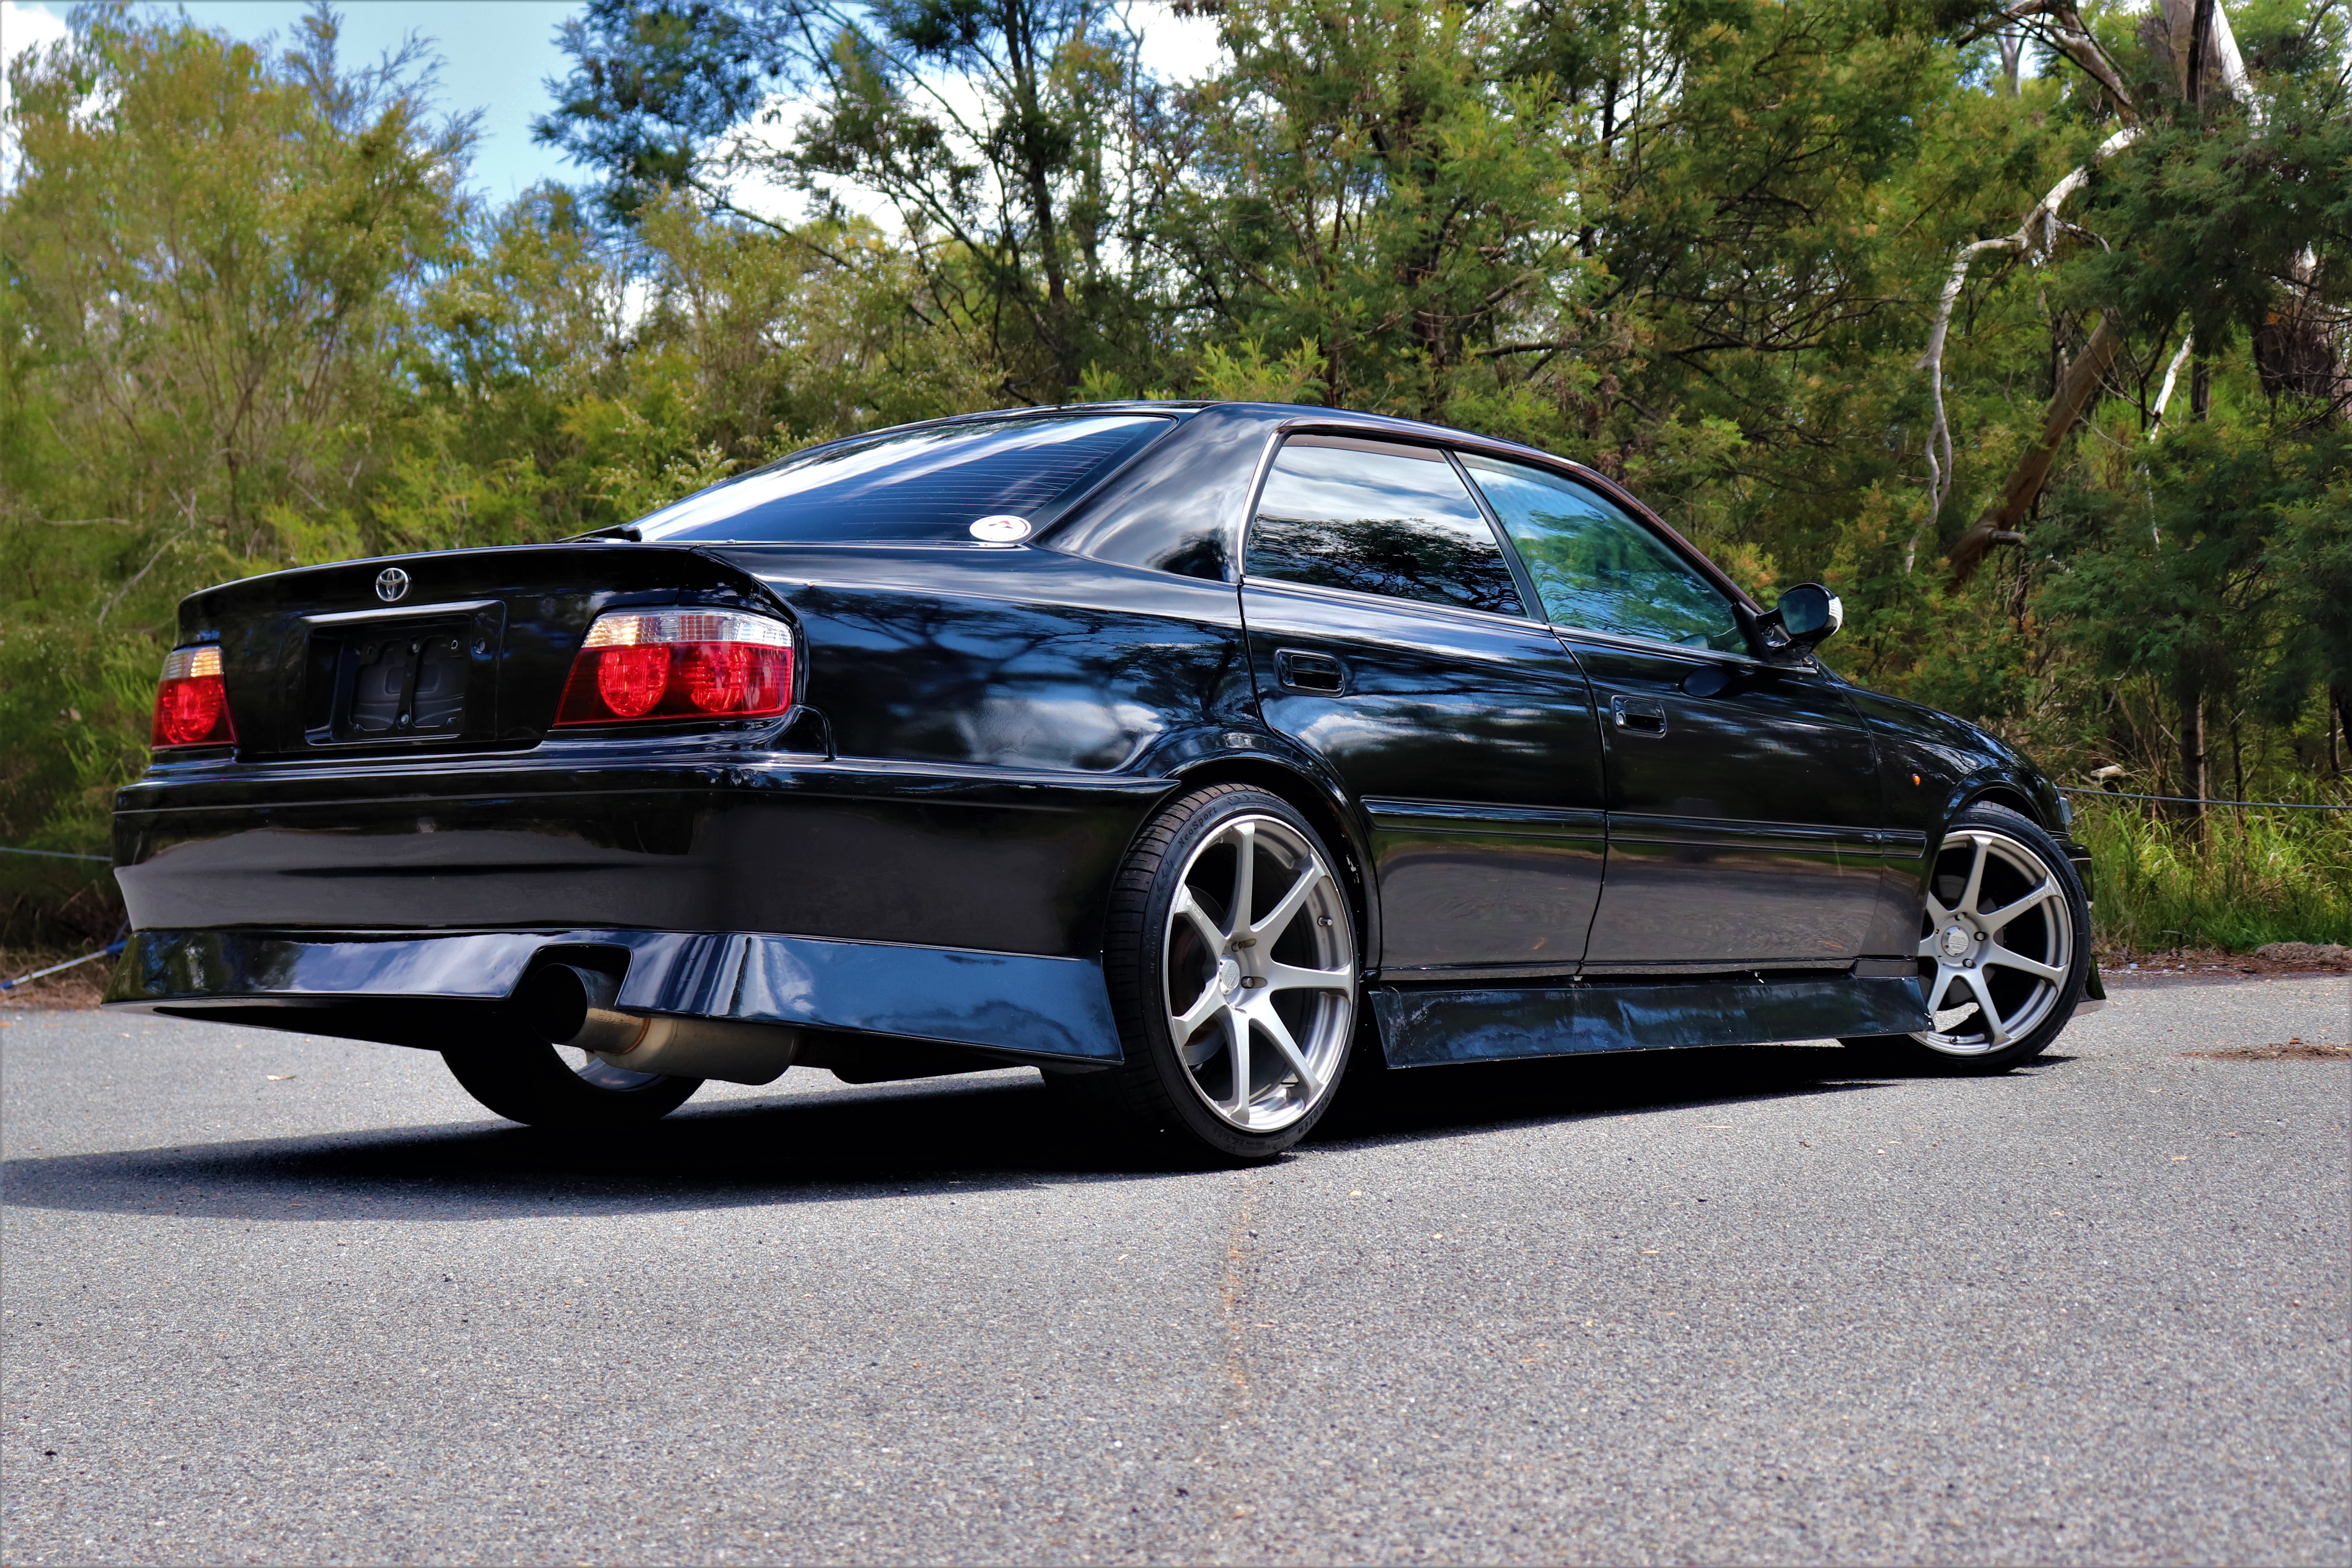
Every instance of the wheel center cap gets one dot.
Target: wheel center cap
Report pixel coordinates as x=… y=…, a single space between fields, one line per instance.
x=1954 y=942
x=1228 y=975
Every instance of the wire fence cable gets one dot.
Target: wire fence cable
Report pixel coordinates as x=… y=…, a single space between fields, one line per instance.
x=2199 y=800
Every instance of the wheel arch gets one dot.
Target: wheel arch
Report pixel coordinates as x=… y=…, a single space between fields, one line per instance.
x=2007 y=794
x=1326 y=810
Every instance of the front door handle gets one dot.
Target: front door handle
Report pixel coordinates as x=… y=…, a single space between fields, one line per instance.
x=1638 y=715
x=1302 y=671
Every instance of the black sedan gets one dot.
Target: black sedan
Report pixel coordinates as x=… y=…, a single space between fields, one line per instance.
x=1181 y=750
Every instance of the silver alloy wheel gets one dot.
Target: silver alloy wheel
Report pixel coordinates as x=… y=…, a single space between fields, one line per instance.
x=1999 y=943
x=1258 y=967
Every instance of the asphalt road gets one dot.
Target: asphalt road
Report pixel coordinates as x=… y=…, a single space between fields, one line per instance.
x=275 y=1298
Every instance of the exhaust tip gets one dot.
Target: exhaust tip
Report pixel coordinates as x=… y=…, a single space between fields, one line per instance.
x=560 y=1002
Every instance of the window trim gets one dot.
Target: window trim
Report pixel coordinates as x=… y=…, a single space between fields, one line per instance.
x=1367 y=427
x=1413 y=607
x=1354 y=439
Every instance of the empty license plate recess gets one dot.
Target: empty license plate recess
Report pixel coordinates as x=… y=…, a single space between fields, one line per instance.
x=427 y=674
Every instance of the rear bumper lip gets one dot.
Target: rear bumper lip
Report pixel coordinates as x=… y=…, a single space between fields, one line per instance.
x=1029 y=1006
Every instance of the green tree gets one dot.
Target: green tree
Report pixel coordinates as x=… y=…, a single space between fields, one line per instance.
x=207 y=258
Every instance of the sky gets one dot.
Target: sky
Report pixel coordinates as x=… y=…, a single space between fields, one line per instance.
x=496 y=57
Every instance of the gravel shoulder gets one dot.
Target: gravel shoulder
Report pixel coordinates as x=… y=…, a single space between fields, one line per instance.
x=272 y=1298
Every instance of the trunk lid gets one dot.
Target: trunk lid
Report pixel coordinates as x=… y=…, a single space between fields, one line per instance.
x=463 y=651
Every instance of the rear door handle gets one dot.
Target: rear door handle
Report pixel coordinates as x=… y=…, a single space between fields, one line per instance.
x=1302 y=671
x=1638 y=715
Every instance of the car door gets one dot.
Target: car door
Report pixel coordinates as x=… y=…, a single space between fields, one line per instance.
x=1743 y=796
x=1387 y=635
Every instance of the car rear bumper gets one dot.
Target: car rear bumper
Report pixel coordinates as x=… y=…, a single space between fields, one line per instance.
x=446 y=990
x=967 y=859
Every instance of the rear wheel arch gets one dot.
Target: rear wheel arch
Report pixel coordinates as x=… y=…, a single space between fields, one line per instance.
x=1311 y=799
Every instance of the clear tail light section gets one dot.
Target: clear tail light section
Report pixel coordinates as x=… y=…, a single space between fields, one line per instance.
x=191 y=703
x=645 y=664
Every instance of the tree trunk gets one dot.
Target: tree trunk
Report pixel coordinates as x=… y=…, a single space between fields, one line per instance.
x=2192 y=750
x=2200 y=388
x=2075 y=389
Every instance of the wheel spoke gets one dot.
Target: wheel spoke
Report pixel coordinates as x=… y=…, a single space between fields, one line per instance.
x=1198 y=1053
x=1944 y=988
x=1184 y=1025
x=1279 y=1033
x=1970 y=894
x=1289 y=977
x=1245 y=875
x=1286 y=910
x=1994 y=1029
x=1993 y=920
x=1189 y=908
x=2009 y=959
x=1941 y=988
x=1927 y=948
x=1238 y=1031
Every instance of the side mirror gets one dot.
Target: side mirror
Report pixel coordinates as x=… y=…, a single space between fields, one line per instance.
x=1807 y=615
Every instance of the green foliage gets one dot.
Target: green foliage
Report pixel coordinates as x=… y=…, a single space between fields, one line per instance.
x=2244 y=878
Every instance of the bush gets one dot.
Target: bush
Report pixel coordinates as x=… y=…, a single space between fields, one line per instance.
x=2236 y=879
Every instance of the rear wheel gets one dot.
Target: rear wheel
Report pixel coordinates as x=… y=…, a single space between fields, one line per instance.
x=2004 y=947
x=1232 y=962
x=531 y=1081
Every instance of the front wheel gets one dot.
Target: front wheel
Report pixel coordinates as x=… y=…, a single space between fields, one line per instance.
x=525 y=1079
x=2004 y=947
x=1232 y=962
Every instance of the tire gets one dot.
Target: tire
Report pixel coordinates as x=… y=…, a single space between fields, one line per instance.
x=1197 y=992
x=2004 y=948
x=528 y=1080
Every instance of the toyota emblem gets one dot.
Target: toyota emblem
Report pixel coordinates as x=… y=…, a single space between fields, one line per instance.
x=391 y=584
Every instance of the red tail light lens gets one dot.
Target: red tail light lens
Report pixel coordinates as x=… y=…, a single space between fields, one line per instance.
x=680 y=664
x=192 y=704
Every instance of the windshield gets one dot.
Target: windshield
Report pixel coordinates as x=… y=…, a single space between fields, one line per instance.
x=928 y=483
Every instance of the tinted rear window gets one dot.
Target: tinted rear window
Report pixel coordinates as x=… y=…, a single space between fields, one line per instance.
x=926 y=483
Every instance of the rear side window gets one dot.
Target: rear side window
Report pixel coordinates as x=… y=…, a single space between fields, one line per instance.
x=928 y=483
x=1396 y=521
x=1598 y=569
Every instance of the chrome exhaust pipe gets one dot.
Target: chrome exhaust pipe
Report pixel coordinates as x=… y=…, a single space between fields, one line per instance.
x=572 y=1006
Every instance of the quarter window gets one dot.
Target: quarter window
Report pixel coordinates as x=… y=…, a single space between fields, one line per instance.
x=1394 y=520
x=1596 y=568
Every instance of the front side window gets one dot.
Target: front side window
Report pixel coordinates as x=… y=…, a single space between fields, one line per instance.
x=1394 y=520
x=932 y=482
x=1596 y=569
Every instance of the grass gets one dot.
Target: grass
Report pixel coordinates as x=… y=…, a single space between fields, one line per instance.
x=2240 y=879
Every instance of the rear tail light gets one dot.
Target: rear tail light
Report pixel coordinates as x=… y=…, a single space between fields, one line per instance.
x=192 y=704
x=680 y=664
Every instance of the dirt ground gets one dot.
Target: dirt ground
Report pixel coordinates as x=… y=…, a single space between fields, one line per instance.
x=79 y=986
x=2280 y=958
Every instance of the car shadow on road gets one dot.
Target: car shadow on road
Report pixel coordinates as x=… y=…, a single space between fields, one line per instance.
x=970 y=1134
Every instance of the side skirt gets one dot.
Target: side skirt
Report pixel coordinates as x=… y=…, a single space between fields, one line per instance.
x=1426 y=1027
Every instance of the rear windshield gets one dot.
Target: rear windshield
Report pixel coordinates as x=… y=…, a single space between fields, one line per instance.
x=931 y=482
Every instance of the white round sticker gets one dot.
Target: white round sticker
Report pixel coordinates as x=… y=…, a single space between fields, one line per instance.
x=1001 y=529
